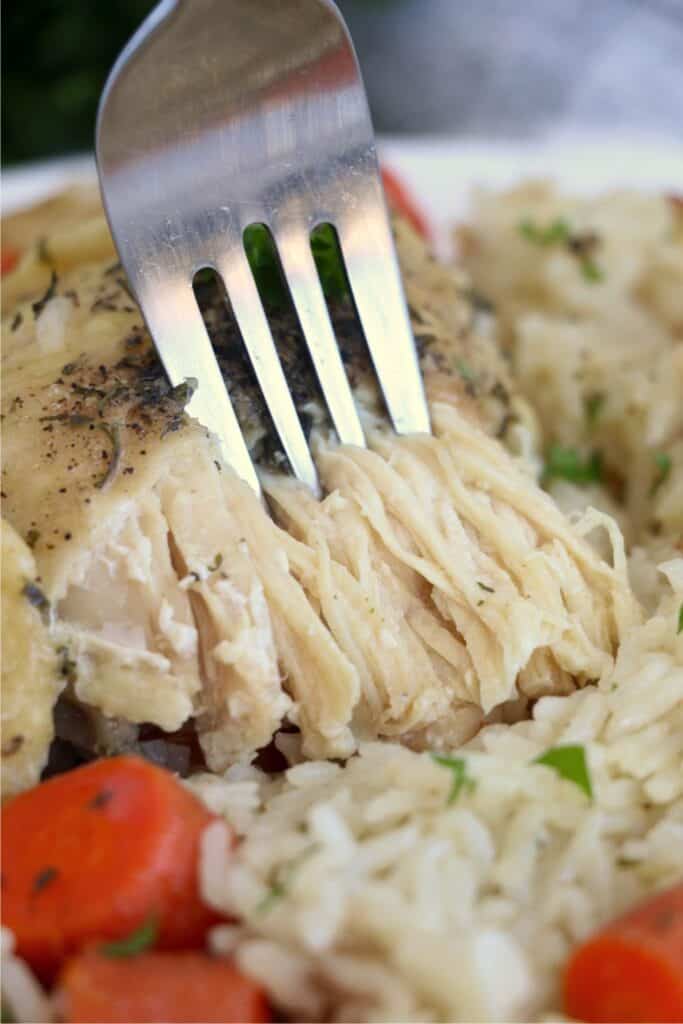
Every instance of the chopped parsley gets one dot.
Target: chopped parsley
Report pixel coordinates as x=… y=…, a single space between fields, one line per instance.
x=680 y=620
x=283 y=879
x=138 y=941
x=556 y=232
x=182 y=393
x=590 y=270
x=570 y=763
x=593 y=405
x=579 y=244
x=569 y=464
x=217 y=562
x=466 y=371
x=484 y=586
x=663 y=463
x=461 y=780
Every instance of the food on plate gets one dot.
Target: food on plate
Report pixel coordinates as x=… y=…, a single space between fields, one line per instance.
x=154 y=987
x=98 y=853
x=633 y=969
x=431 y=726
x=31 y=681
x=396 y=607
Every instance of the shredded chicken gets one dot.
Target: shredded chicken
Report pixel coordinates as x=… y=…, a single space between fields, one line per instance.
x=433 y=586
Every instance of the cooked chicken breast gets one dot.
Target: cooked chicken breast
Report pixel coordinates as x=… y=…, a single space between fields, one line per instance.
x=434 y=585
x=31 y=668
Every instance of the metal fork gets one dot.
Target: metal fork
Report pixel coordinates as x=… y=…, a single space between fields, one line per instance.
x=219 y=114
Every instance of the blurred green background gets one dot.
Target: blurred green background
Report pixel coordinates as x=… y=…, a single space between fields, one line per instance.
x=55 y=58
x=486 y=69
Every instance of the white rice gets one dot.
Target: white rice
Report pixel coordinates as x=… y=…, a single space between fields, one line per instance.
x=22 y=994
x=365 y=895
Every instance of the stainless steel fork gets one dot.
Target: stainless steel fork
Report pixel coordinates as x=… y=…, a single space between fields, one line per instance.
x=220 y=114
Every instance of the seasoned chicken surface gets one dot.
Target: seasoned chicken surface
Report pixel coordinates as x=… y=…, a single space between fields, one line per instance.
x=434 y=585
x=31 y=668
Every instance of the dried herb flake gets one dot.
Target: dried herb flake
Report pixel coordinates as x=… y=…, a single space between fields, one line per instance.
x=663 y=463
x=41 y=303
x=593 y=405
x=43 y=879
x=217 y=562
x=36 y=597
x=113 y=432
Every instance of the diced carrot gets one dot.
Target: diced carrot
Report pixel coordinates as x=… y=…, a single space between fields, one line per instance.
x=177 y=988
x=9 y=257
x=400 y=200
x=632 y=970
x=97 y=852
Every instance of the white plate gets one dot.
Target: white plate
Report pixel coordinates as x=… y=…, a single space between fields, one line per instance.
x=442 y=171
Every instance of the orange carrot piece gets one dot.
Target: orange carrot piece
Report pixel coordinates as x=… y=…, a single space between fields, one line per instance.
x=632 y=970
x=175 y=988
x=9 y=258
x=97 y=852
x=400 y=200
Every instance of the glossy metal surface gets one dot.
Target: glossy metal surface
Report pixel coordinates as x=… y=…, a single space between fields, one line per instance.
x=223 y=113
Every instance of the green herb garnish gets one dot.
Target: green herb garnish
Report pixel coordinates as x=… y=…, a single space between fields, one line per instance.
x=680 y=620
x=663 y=463
x=558 y=232
x=217 y=562
x=590 y=270
x=461 y=780
x=555 y=232
x=593 y=405
x=484 y=586
x=283 y=880
x=43 y=253
x=138 y=941
x=465 y=371
x=182 y=393
x=570 y=763
x=568 y=464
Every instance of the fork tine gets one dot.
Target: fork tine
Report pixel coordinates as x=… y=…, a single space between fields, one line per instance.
x=176 y=324
x=258 y=340
x=372 y=269
x=294 y=249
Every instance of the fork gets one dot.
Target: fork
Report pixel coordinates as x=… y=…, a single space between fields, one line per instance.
x=219 y=114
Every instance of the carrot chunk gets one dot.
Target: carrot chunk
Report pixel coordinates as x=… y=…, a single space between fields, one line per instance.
x=9 y=258
x=158 y=987
x=400 y=200
x=98 y=852
x=632 y=970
